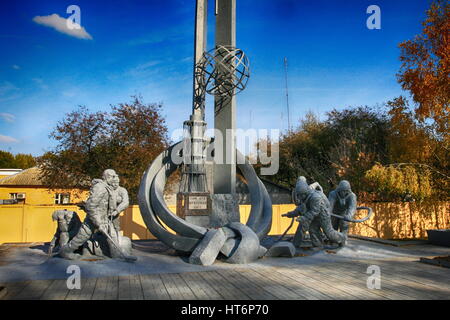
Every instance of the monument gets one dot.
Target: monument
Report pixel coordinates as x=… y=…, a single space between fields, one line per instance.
x=98 y=236
x=207 y=224
x=207 y=221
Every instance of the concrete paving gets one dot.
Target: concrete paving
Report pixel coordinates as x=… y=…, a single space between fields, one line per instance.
x=21 y=263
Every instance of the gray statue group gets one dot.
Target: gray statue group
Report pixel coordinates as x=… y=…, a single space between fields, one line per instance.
x=326 y=220
x=98 y=235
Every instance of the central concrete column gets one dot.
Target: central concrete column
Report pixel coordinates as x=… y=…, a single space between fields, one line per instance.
x=201 y=18
x=225 y=107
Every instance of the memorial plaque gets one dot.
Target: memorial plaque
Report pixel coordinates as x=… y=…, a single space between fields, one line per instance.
x=197 y=202
x=193 y=204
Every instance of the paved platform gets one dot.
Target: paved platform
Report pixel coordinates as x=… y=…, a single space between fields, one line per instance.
x=160 y=274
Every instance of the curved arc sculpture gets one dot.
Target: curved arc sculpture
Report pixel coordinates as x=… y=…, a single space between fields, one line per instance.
x=187 y=236
x=152 y=221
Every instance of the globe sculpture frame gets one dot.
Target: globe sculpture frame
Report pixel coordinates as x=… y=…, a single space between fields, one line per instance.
x=222 y=71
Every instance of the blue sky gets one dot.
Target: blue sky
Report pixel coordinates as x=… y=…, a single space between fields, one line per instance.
x=146 y=47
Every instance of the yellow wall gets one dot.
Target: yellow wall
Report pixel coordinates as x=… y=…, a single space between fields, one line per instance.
x=33 y=223
x=133 y=225
x=41 y=195
x=407 y=220
x=29 y=223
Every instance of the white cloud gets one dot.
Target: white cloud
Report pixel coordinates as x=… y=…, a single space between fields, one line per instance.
x=15 y=67
x=6 y=139
x=7 y=87
x=8 y=117
x=155 y=37
x=8 y=91
x=40 y=83
x=60 y=24
x=69 y=93
x=144 y=69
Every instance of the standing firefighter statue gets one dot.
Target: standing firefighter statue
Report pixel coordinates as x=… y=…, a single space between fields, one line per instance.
x=99 y=233
x=342 y=203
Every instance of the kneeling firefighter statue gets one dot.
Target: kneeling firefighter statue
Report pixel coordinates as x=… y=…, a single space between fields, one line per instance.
x=68 y=225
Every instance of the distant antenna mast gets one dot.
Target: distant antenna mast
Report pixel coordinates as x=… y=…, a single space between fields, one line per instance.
x=287 y=93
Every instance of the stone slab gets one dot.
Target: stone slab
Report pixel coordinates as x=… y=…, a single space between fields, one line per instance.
x=281 y=249
x=209 y=247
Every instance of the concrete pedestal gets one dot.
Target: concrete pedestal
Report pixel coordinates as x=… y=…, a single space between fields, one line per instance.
x=225 y=209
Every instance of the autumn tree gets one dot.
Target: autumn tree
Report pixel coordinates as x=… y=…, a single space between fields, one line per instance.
x=419 y=161
x=126 y=139
x=397 y=153
x=344 y=146
x=425 y=69
x=301 y=153
x=359 y=139
x=399 y=182
x=417 y=167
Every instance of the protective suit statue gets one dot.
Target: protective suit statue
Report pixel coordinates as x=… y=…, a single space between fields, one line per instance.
x=68 y=225
x=342 y=203
x=106 y=200
x=119 y=202
x=313 y=211
x=313 y=186
x=300 y=235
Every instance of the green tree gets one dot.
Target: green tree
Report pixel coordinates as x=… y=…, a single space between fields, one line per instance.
x=24 y=161
x=7 y=160
x=19 y=161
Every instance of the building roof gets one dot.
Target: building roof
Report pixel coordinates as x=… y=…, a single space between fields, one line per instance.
x=9 y=172
x=28 y=177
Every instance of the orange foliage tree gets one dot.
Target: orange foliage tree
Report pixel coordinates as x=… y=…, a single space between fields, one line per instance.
x=425 y=69
x=127 y=139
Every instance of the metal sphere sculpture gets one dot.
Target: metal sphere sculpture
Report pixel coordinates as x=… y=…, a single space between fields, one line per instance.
x=223 y=71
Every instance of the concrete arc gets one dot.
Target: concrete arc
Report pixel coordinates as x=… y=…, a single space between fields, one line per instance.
x=177 y=242
x=155 y=212
x=180 y=226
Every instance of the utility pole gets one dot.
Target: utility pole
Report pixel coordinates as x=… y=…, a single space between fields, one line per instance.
x=287 y=93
